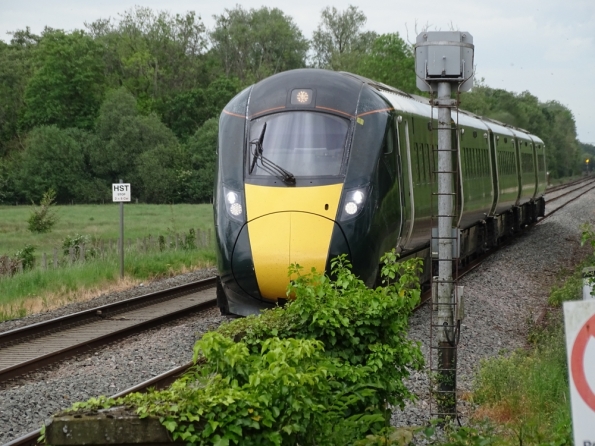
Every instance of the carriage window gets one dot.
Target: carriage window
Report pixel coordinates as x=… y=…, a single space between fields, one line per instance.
x=304 y=143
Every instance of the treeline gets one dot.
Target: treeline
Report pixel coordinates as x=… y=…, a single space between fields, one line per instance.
x=138 y=98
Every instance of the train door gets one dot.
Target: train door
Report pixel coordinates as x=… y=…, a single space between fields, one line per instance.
x=389 y=188
x=460 y=196
x=404 y=163
x=493 y=148
x=517 y=157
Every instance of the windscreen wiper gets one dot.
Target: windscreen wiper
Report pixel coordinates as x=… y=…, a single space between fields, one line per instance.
x=266 y=164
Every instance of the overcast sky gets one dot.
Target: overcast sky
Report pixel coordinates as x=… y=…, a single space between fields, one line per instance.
x=544 y=46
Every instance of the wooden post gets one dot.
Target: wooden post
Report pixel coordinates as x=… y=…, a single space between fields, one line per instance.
x=55 y=257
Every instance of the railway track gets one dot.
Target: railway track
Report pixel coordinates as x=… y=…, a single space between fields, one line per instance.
x=28 y=348
x=578 y=188
x=121 y=315
x=157 y=382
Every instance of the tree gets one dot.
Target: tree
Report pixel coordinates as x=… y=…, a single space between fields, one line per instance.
x=339 y=41
x=257 y=43
x=197 y=183
x=157 y=172
x=16 y=66
x=67 y=86
x=185 y=112
x=123 y=135
x=52 y=159
x=153 y=54
x=390 y=61
x=552 y=122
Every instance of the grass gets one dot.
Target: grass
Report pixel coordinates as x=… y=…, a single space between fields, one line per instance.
x=101 y=221
x=526 y=395
x=38 y=290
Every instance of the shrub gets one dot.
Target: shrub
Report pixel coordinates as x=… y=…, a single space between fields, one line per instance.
x=323 y=370
x=44 y=218
x=75 y=242
x=26 y=256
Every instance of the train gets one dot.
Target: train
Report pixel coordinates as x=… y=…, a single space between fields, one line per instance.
x=314 y=163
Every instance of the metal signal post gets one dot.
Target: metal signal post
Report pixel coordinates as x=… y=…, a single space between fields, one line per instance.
x=444 y=60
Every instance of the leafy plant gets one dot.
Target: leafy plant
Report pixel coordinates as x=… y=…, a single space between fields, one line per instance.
x=43 y=218
x=26 y=256
x=75 y=242
x=190 y=240
x=322 y=370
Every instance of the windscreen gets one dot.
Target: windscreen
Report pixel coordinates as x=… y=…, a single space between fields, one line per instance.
x=303 y=143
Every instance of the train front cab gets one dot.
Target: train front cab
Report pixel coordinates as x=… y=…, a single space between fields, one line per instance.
x=265 y=222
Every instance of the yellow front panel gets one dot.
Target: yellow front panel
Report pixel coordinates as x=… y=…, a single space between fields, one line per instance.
x=289 y=225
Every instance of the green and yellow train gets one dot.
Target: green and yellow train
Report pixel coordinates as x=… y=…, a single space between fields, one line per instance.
x=315 y=163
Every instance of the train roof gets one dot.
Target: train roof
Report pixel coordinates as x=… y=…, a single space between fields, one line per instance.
x=421 y=105
x=340 y=92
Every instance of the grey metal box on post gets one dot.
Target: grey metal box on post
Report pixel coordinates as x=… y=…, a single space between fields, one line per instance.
x=444 y=56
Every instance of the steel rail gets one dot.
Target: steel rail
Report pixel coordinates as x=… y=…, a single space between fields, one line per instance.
x=47 y=341
x=166 y=378
x=159 y=382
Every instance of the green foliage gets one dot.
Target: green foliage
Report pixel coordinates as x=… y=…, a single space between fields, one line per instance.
x=450 y=434
x=130 y=144
x=43 y=218
x=527 y=393
x=67 y=86
x=552 y=121
x=190 y=240
x=55 y=159
x=26 y=256
x=16 y=68
x=196 y=184
x=185 y=112
x=153 y=54
x=391 y=61
x=171 y=77
x=339 y=41
x=322 y=370
x=570 y=290
x=75 y=242
x=254 y=44
x=588 y=235
x=56 y=287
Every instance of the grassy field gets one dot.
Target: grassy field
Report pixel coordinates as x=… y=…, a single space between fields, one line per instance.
x=38 y=290
x=102 y=222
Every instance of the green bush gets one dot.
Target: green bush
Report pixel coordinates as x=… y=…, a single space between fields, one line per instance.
x=75 y=242
x=26 y=256
x=44 y=218
x=324 y=370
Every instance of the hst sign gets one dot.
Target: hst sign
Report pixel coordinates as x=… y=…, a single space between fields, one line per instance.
x=120 y=192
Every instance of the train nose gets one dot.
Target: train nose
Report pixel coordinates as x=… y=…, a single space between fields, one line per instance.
x=289 y=225
x=280 y=239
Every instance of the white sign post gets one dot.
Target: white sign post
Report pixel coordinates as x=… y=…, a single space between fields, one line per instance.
x=121 y=194
x=579 y=322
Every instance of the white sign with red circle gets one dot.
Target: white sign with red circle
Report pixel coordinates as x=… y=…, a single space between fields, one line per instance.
x=579 y=322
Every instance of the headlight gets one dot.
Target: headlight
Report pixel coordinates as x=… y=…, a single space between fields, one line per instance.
x=354 y=202
x=233 y=204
